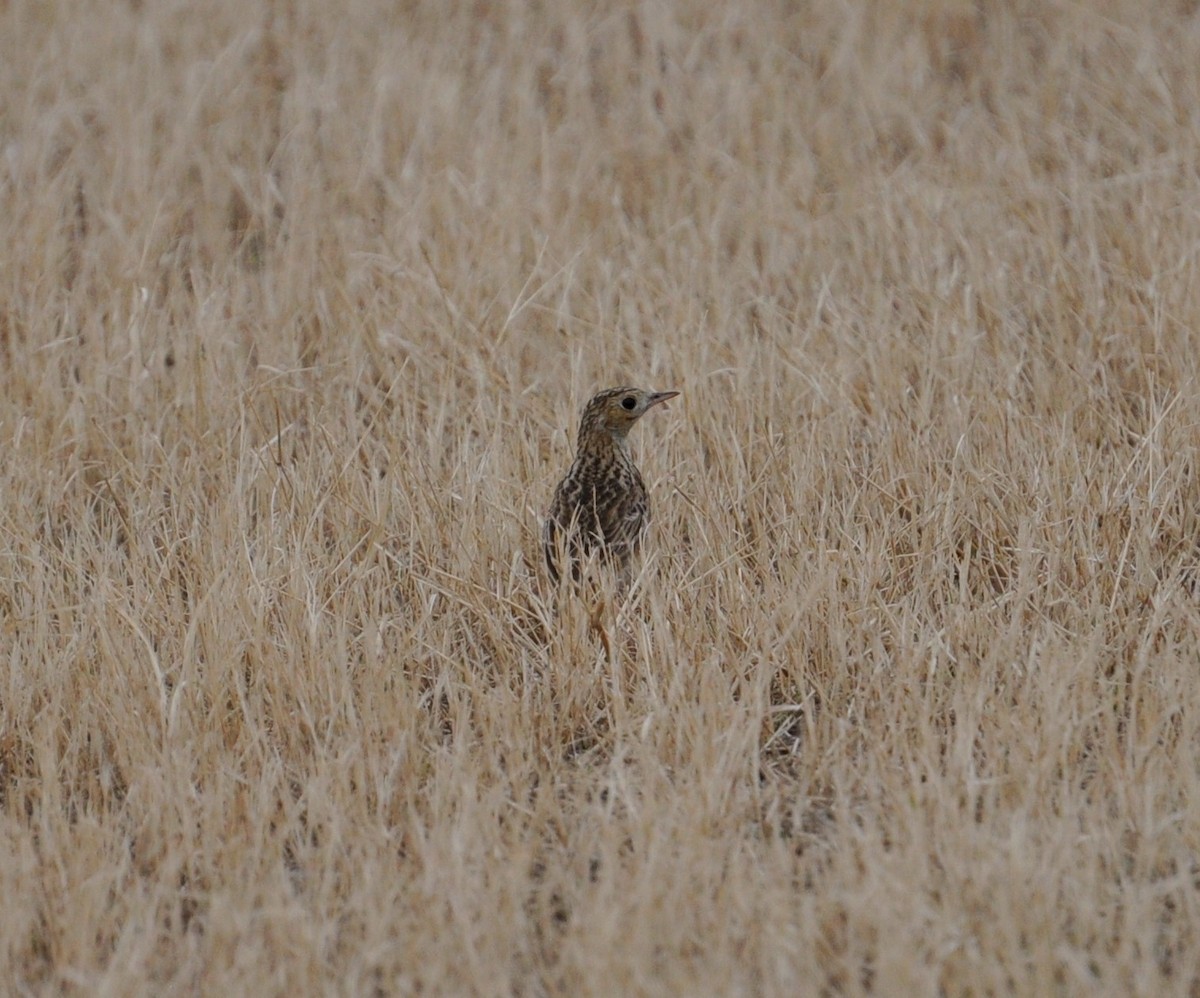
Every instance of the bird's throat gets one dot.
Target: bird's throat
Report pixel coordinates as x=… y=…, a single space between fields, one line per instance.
x=605 y=446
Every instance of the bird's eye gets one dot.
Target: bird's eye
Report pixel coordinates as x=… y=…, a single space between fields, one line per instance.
x=628 y=402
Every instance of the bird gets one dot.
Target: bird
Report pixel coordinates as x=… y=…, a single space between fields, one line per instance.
x=601 y=506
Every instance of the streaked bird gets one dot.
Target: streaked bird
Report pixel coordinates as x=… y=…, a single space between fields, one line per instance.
x=601 y=506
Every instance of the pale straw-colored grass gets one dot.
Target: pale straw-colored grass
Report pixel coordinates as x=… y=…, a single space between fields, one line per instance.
x=298 y=306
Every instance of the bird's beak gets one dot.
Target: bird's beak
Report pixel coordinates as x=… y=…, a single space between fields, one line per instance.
x=658 y=397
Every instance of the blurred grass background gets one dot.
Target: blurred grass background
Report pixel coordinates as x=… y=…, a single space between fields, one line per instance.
x=298 y=306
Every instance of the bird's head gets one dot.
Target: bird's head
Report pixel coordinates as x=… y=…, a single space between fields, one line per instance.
x=615 y=410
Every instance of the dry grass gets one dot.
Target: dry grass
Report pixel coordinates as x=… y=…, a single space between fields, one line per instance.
x=297 y=309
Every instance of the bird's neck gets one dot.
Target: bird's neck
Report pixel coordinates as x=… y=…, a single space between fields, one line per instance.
x=599 y=444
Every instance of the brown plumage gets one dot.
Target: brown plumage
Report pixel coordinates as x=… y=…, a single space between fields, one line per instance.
x=602 y=505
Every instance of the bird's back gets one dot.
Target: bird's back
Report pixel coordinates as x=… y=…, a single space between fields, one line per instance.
x=600 y=505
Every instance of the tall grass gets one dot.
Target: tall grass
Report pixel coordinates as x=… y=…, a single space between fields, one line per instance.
x=298 y=306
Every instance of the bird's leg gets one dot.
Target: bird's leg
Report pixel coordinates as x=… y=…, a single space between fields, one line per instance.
x=624 y=578
x=596 y=623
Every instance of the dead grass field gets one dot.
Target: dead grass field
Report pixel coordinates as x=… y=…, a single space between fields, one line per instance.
x=298 y=306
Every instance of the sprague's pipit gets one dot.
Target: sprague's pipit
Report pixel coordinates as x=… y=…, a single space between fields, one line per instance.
x=601 y=506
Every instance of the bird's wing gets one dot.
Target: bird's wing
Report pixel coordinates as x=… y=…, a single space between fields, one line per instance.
x=550 y=544
x=623 y=523
x=562 y=525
